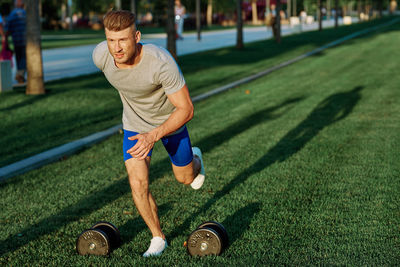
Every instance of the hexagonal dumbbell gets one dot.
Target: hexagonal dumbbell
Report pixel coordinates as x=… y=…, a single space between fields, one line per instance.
x=210 y=238
x=100 y=239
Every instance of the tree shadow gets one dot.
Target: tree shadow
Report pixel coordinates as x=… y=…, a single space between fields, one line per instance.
x=68 y=215
x=270 y=113
x=209 y=143
x=51 y=92
x=99 y=199
x=329 y=111
x=269 y=49
x=237 y=223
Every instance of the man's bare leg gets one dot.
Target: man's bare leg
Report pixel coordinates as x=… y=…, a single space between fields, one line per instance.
x=186 y=174
x=138 y=172
x=193 y=173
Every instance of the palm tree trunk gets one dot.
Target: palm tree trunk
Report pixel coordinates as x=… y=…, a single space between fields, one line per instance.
x=336 y=13
x=171 y=31
x=380 y=8
x=198 y=20
x=117 y=4
x=239 y=25
x=209 y=12
x=34 y=64
x=278 y=21
x=133 y=6
x=254 y=12
x=319 y=15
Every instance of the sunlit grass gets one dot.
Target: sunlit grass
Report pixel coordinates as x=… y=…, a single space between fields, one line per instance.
x=302 y=169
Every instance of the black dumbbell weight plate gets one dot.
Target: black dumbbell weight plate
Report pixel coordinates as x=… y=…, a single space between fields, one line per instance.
x=204 y=241
x=219 y=228
x=111 y=231
x=93 y=242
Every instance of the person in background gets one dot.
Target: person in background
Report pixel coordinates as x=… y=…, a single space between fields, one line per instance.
x=273 y=20
x=16 y=27
x=180 y=12
x=1 y=28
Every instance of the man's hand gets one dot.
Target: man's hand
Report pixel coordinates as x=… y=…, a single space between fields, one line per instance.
x=145 y=143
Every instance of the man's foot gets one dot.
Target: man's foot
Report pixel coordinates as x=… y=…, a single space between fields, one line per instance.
x=157 y=246
x=199 y=180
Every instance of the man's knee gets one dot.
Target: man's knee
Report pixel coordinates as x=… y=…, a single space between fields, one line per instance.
x=138 y=186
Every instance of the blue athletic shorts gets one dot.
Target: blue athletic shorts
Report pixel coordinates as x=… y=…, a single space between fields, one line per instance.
x=177 y=145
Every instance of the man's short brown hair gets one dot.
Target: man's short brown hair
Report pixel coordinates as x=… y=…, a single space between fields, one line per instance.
x=118 y=20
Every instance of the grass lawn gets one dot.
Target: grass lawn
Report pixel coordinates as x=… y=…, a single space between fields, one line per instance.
x=302 y=171
x=74 y=108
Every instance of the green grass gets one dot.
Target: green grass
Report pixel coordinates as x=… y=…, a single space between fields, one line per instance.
x=302 y=171
x=75 y=108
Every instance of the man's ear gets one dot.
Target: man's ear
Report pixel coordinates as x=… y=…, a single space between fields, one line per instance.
x=138 y=36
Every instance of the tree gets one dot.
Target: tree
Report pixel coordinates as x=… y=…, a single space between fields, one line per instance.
x=209 y=12
x=198 y=20
x=319 y=15
x=254 y=12
x=239 y=25
x=171 y=32
x=380 y=8
x=278 y=21
x=133 y=7
x=99 y=6
x=35 y=84
x=336 y=13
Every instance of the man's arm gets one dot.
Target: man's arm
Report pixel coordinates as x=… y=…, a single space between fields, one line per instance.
x=182 y=114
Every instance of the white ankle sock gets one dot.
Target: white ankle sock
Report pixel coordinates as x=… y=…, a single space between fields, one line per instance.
x=157 y=246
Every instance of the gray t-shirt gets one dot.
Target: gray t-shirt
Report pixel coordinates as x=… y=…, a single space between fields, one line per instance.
x=143 y=88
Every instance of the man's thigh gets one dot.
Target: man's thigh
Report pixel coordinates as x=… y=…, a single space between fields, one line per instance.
x=128 y=144
x=138 y=170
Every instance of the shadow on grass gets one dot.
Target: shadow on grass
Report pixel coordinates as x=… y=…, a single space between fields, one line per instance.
x=211 y=142
x=101 y=198
x=269 y=49
x=237 y=223
x=51 y=92
x=329 y=111
x=259 y=55
x=67 y=215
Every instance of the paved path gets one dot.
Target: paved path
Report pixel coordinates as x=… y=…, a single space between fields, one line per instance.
x=74 y=61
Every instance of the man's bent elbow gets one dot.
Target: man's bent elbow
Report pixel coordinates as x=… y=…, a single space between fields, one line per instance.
x=190 y=113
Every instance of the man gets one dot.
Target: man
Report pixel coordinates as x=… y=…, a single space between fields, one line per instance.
x=1 y=28
x=180 y=12
x=16 y=26
x=274 y=20
x=156 y=105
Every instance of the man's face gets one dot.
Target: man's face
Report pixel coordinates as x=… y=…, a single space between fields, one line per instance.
x=122 y=45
